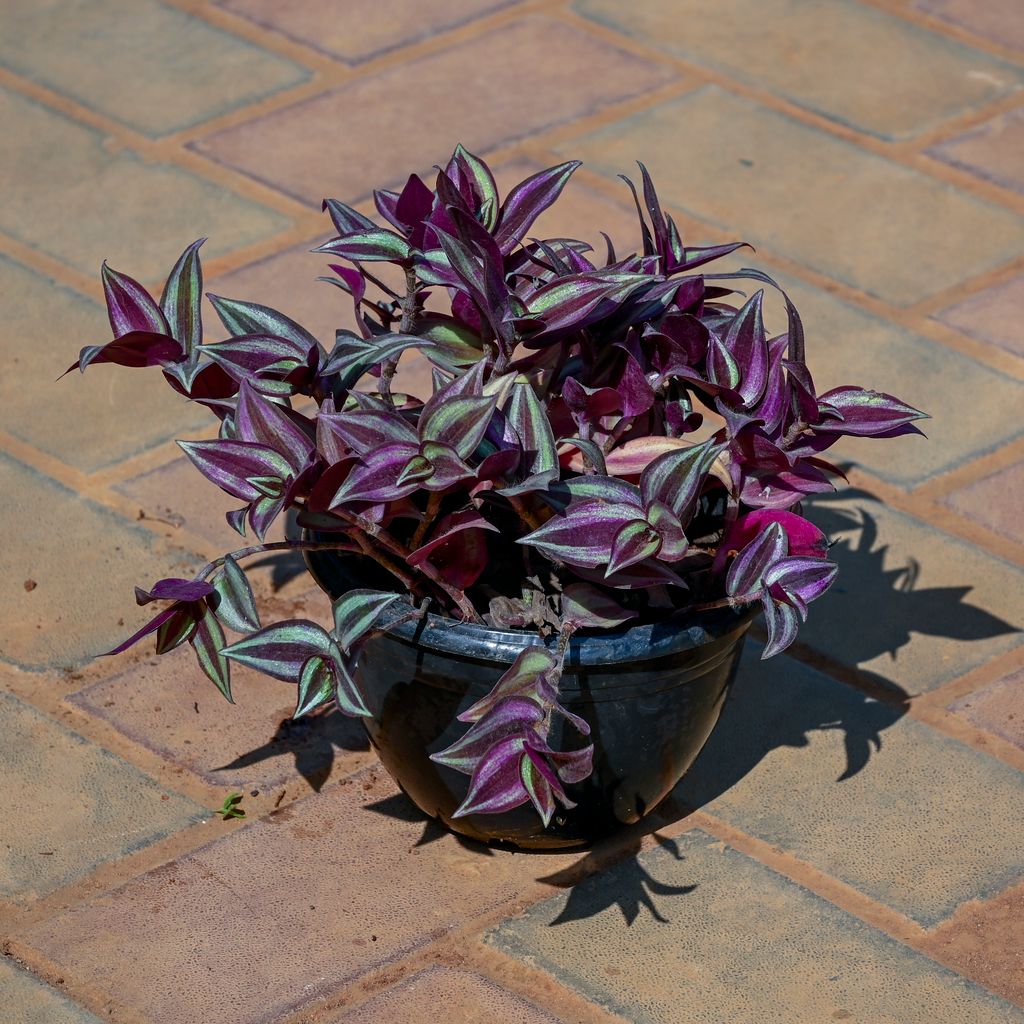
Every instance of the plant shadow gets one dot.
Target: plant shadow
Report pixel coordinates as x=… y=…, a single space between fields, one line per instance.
x=772 y=705
x=312 y=741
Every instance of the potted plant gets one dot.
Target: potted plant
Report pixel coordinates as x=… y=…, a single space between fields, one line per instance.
x=541 y=572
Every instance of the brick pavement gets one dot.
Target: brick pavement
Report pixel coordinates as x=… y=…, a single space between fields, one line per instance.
x=849 y=845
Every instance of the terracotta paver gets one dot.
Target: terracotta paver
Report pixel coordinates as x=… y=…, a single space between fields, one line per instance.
x=71 y=805
x=992 y=315
x=871 y=151
x=866 y=221
x=181 y=69
x=368 y=28
x=169 y=706
x=291 y=150
x=315 y=895
x=994 y=151
x=872 y=797
x=994 y=501
x=997 y=20
x=30 y=1002
x=842 y=59
x=998 y=707
x=948 y=607
x=463 y=997
x=139 y=215
x=735 y=942
x=65 y=616
x=80 y=436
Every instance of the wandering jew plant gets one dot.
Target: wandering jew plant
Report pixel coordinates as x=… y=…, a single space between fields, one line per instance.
x=553 y=480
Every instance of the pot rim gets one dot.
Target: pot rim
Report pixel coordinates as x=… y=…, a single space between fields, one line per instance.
x=678 y=632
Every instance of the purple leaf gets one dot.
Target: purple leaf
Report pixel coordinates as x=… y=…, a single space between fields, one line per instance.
x=445 y=467
x=236 y=606
x=207 y=641
x=316 y=685
x=231 y=465
x=368 y=245
x=137 y=348
x=666 y=524
x=511 y=716
x=589 y=607
x=800 y=580
x=353 y=356
x=676 y=478
x=782 y=622
x=529 y=419
x=174 y=589
x=573 y=765
x=346 y=219
x=375 y=477
x=866 y=413
x=496 y=784
x=747 y=343
x=745 y=578
x=181 y=626
x=346 y=693
x=585 y=534
x=538 y=786
x=528 y=200
x=802 y=537
x=250 y=354
x=242 y=318
x=363 y=430
x=485 y=191
x=273 y=426
x=633 y=543
x=181 y=299
x=282 y=649
x=527 y=676
x=151 y=627
x=356 y=612
x=458 y=422
x=130 y=307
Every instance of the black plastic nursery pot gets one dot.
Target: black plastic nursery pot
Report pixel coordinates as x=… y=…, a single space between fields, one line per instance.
x=651 y=694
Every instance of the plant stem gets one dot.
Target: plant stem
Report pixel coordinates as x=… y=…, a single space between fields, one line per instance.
x=402 y=553
x=408 y=304
x=722 y=602
x=433 y=504
x=277 y=545
x=379 y=283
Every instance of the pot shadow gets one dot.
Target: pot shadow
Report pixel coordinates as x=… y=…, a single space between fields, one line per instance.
x=774 y=704
x=312 y=741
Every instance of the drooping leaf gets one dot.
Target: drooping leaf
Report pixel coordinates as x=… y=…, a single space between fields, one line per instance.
x=282 y=649
x=585 y=534
x=137 y=348
x=316 y=685
x=356 y=612
x=232 y=464
x=174 y=589
x=236 y=607
x=510 y=716
x=496 y=784
x=208 y=642
x=782 y=622
x=745 y=578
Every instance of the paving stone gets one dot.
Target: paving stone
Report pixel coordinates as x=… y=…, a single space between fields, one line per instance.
x=994 y=150
x=912 y=607
x=70 y=805
x=999 y=20
x=29 y=1001
x=998 y=707
x=462 y=995
x=993 y=315
x=67 y=195
x=169 y=706
x=986 y=941
x=994 y=501
x=290 y=149
x=854 y=216
x=848 y=784
x=846 y=345
x=92 y=420
x=368 y=29
x=84 y=562
x=150 y=66
x=847 y=61
x=729 y=940
x=312 y=896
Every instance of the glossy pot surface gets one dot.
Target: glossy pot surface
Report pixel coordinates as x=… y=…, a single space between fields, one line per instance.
x=651 y=695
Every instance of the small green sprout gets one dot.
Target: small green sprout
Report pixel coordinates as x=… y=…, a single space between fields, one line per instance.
x=230 y=808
